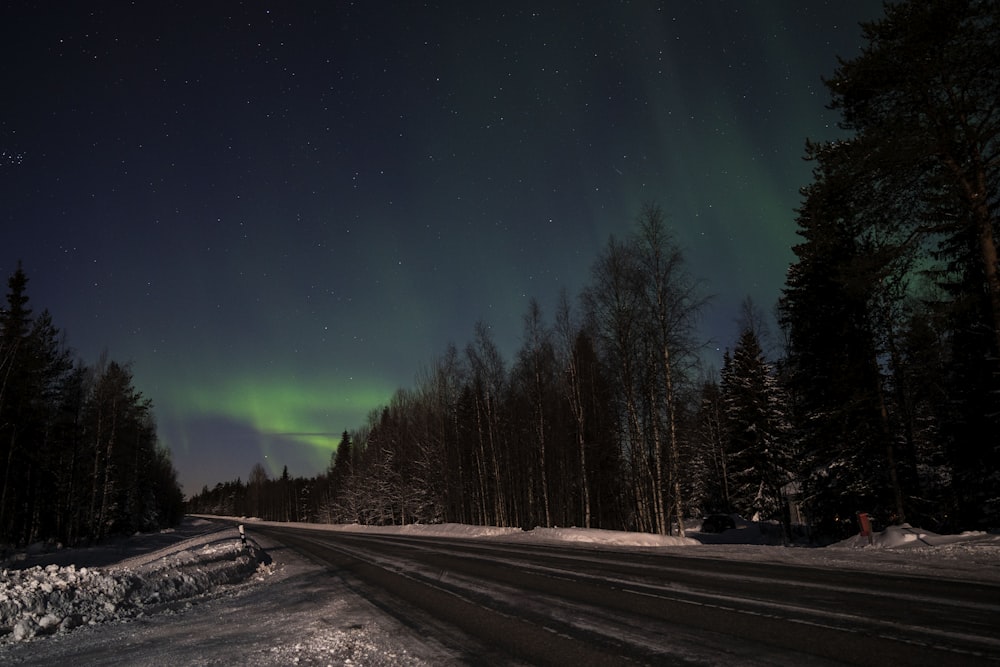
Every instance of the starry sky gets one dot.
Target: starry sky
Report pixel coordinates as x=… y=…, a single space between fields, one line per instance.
x=281 y=212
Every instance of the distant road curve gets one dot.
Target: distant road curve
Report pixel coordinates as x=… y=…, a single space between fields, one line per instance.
x=507 y=603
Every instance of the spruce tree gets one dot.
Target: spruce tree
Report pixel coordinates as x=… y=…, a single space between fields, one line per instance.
x=833 y=374
x=757 y=432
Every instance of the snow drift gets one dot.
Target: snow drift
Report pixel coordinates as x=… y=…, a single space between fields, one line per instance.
x=43 y=600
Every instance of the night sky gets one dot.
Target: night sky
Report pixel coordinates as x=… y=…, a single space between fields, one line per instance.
x=281 y=212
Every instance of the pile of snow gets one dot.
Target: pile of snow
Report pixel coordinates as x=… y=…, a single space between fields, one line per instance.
x=616 y=538
x=906 y=536
x=43 y=600
x=606 y=537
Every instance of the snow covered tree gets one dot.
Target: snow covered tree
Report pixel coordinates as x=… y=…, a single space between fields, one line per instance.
x=339 y=481
x=757 y=431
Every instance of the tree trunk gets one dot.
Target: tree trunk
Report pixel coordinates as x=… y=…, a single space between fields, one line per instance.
x=675 y=454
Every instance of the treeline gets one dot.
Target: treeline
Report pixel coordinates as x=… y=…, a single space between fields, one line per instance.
x=885 y=395
x=603 y=419
x=547 y=440
x=79 y=458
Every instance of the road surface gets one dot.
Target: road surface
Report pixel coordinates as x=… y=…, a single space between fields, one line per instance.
x=509 y=603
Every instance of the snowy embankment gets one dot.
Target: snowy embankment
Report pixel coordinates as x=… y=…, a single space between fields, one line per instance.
x=55 y=593
x=45 y=599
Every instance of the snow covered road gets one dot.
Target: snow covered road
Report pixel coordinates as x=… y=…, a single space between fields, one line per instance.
x=194 y=596
x=559 y=605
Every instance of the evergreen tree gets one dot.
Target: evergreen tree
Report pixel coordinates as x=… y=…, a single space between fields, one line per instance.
x=922 y=98
x=757 y=432
x=833 y=372
x=339 y=479
x=78 y=450
x=33 y=364
x=916 y=187
x=17 y=401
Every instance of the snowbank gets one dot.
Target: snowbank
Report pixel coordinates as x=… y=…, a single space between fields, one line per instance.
x=43 y=600
x=560 y=535
x=896 y=537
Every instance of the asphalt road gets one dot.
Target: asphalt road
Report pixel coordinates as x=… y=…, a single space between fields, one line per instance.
x=508 y=603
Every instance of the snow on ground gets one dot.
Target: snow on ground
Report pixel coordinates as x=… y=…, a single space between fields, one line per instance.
x=156 y=594
x=46 y=599
x=900 y=549
x=197 y=598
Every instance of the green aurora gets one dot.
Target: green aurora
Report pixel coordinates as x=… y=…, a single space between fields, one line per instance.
x=273 y=414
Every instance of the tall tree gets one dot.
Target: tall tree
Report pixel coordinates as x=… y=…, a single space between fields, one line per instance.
x=121 y=438
x=757 y=431
x=613 y=304
x=924 y=96
x=644 y=306
x=488 y=390
x=833 y=372
x=673 y=305
x=16 y=395
x=567 y=334
x=33 y=364
x=256 y=483
x=443 y=388
x=536 y=370
x=710 y=460
x=917 y=186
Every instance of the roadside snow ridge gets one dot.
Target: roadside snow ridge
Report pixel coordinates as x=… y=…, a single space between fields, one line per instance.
x=45 y=600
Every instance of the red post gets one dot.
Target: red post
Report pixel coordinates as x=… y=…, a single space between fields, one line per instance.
x=866 y=525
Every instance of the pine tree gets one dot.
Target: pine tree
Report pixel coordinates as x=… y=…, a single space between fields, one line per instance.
x=916 y=187
x=340 y=481
x=922 y=97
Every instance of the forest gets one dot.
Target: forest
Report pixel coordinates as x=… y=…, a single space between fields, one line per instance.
x=877 y=389
x=884 y=396
x=79 y=458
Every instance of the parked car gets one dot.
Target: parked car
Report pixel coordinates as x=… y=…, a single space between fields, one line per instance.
x=717 y=523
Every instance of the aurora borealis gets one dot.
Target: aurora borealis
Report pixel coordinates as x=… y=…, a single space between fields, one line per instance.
x=279 y=213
